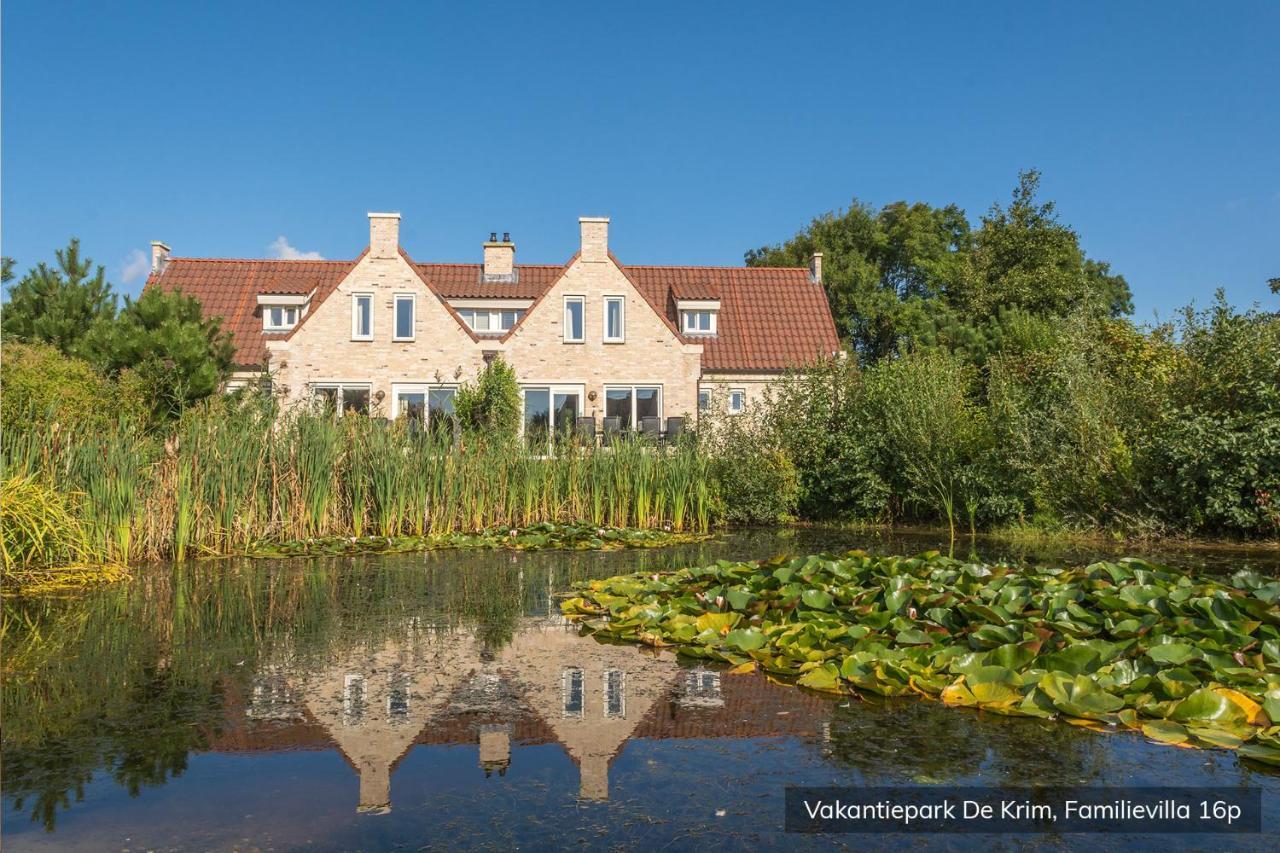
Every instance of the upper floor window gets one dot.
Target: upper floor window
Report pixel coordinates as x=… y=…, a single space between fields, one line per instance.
x=614 y=320
x=698 y=322
x=573 y=320
x=362 y=317
x=571 y=691
x=483 y=321
x=615 y=698
x=405 y=303
x=279 y=318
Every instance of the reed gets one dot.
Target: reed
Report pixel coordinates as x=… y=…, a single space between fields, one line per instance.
x=227 y=475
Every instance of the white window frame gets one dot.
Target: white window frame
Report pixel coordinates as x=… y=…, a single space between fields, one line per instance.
x=742 y=406
x=285 y=325
x=355 y=317
x=353 y=706
x=564 y=318
x=496 y=326
x=566 y=676
x=621 y=337
x=688 y=328
x=632 y=386
x=423 y=388
x=395 y=316
x=704 y=399
x=552 y=390
x=341 y=385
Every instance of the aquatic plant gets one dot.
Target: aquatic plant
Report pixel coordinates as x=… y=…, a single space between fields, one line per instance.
x=1111 y=646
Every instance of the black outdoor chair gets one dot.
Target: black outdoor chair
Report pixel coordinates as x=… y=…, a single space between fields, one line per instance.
x=586 y=429
x=612 y=428
x=675 y=427
x=651 y=427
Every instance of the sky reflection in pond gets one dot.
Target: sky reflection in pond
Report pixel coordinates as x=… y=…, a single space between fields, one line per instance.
x=437 y=700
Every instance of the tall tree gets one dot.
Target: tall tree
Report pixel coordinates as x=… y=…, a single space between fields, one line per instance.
x=58 y=304
x=179 y=354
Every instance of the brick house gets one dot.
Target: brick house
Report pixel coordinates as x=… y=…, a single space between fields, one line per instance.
x=591 y=338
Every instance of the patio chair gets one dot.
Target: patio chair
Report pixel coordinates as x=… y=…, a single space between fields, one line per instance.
x=675 y=427
x=651 y=427
x=586 y=429
x=612 y=428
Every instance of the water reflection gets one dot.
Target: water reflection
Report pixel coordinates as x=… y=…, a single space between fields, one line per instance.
x=373 y=659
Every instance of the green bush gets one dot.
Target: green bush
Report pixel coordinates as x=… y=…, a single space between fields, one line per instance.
x=755 y=479
x=491 y=406
x=40 y=382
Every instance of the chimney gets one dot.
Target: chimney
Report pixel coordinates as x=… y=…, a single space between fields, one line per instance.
x=815 y=268
x=159 y=256
x=595 y=237
x=499 y=258
x=384 y=235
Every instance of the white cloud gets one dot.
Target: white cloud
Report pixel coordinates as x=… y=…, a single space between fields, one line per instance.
x=135 y=267
x=281 y=250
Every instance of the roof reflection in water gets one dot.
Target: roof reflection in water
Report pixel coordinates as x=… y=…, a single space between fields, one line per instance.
x=429 y=685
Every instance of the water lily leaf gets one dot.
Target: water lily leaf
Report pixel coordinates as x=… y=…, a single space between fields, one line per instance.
x=1010 y=655
x=824 y=677
x=816 y=598
x=1271 y=705
x=719 y=622
x=913 y=637
x=744 y=639
x=1075 y=659
x=738 y=598
x=1261 y=752
x=1165 y=731
x=1172 y=653
x=1254 y=715
x=1206 y=705
x=958 y=694
x=1215 y=737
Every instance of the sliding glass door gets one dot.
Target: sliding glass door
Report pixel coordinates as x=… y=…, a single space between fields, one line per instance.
x=550 y=410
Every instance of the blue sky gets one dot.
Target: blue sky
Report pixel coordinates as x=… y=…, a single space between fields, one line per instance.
x=702 y=129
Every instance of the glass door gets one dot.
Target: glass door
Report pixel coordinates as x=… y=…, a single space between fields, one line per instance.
x=550 y=411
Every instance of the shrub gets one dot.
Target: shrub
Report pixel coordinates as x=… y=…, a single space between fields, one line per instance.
x=40 y=382
x=491 y=406
x=755 y=480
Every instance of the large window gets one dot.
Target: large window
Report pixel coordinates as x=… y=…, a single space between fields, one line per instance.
x=484 y=321
x=279 y=318
x=630 y=403
x=342 y=398
x=614 y=320
x=362 y=317
x=549 y=411
x=698 y=322
x=424 y=405
x=573 y=333
x=405 y=304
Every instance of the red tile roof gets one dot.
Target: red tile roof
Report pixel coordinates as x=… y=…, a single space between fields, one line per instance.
x=771 y=318
x=229 y=289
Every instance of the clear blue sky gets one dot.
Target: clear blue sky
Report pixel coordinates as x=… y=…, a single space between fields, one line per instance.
x=703 y=129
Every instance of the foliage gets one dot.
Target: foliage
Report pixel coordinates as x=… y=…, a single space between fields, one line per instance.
x=1124 y=645
x=57 y=304
x=755 y=478
x=491 y=406
x=43 y=383
x=178 y=355
x=908 y=272
x=231 y=475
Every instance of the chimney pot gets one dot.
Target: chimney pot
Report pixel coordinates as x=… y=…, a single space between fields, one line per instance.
x=493 y=236
x=506 y=236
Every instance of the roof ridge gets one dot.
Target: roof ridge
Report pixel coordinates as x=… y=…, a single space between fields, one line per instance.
x=480 y=264
x=172 y=259
x=710 y=267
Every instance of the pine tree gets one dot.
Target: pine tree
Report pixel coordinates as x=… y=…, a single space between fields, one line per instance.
x=57 y=305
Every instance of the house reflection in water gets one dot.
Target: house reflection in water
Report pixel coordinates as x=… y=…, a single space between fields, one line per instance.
x=547 y=685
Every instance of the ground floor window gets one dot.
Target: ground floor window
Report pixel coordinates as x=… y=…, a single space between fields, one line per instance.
x=343 y=398
x=704 y=400
x=423 y=405
x=550 y=410
x=630 y=403
x=737 y=401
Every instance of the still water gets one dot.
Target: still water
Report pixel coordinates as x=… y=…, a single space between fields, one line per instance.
x=439 y=701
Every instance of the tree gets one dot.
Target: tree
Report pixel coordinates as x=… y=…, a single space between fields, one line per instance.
x=177 y=353
x=1023 y=257
x=57 y=305
x=491 y=406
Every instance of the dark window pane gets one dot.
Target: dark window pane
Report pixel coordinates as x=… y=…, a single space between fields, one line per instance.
x=566 y=409
x=537 y=415
x=413 y=406
x=327 y=399
x=617 y=404
x=573 y=692
x=647 y=403
x=355 y=401
x=613 y=696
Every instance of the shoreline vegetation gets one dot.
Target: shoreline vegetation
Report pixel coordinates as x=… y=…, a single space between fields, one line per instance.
x=1114 y=646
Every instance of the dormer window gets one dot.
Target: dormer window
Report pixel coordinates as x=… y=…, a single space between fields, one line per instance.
x=282 y=311
x=278 y=318
x=698 y=316
x=699 y=322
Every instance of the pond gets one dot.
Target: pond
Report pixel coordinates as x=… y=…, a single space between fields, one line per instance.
x=439 y=700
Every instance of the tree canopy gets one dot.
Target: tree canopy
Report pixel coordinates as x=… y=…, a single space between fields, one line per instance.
x=57 y=304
